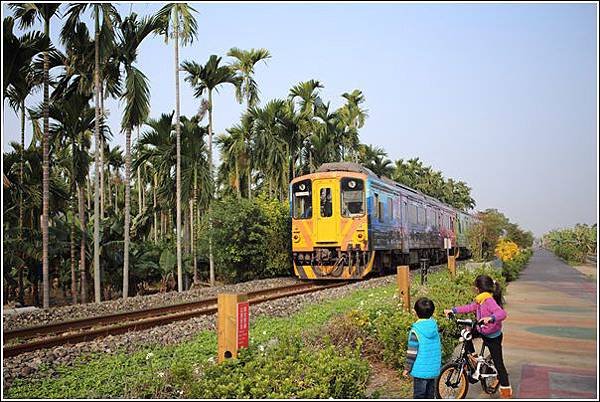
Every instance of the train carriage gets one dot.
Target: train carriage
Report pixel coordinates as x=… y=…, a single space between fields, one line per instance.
x=347 y=222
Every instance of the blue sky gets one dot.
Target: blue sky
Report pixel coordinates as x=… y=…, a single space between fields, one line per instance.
x=502 y=96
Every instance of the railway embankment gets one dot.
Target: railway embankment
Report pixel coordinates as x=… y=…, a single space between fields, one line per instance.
x=323 y=344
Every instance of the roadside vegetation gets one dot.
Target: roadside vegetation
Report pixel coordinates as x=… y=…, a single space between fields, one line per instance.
x=324 y=351
x=573 y=244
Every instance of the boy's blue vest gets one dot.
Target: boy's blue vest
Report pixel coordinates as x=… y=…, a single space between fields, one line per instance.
x=429 y=354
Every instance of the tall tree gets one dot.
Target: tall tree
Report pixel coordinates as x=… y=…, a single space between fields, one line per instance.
x=137 y=105
x=244 y=63
x=19 y=79
x=206 y=79
x=109 y=16
x=28 y=13
x=176 y=20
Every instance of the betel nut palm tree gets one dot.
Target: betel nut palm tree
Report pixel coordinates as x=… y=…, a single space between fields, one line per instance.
x=206 y=79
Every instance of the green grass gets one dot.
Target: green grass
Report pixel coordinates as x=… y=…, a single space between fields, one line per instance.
x=104 y=376
x=150 y=370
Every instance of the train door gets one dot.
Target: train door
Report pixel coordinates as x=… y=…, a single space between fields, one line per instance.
x=327 y=216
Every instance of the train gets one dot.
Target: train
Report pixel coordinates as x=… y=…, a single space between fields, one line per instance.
x=349 y=223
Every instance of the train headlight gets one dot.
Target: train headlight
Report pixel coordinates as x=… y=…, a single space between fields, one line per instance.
x=296 y=237
x=360 y=236
x=302 y=187
x=351 y=184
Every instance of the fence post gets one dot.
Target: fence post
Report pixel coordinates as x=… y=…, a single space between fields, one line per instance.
x=233 y=316
x=452 y=265
x=404 y=286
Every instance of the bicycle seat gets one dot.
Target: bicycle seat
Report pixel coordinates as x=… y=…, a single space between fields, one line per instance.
x=465 y=322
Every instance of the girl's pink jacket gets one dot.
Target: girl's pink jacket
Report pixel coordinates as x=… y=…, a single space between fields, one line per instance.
x=487 y=308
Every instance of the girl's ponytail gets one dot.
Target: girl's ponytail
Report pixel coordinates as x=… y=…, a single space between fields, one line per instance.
x=497 y=293
x=486 y=284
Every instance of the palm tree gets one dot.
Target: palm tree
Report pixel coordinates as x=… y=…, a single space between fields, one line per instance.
x=208 y=78
x=19 y=79
x=137 y=105
x=109 y=15
x=248 y=90
x=27 y=13
x=176 y=19
x=351 y=118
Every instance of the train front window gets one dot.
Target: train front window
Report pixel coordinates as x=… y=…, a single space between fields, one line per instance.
x=326 y=204
x=302 y=200
x=353 y=194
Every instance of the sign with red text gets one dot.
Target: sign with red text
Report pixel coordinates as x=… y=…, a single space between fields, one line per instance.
x=243 y=320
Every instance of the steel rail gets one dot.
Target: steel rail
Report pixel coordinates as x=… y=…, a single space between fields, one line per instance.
x=138 y=320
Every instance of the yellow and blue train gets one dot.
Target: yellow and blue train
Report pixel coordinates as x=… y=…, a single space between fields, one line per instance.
x=347 y=222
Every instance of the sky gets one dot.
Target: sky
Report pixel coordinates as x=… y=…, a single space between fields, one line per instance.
x=501 y=96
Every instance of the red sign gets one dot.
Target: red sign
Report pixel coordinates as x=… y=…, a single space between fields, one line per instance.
x=243 y=322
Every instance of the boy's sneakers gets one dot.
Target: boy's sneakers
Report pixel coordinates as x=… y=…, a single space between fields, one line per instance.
x=505 y=392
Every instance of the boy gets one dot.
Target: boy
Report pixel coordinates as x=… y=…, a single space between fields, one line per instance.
x=424 y=354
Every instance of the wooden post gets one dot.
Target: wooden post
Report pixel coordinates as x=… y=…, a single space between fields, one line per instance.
x=404 y=286
x=232 y=324
x=452 y=265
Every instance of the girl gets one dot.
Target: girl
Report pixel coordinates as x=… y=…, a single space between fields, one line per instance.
x=487 y=308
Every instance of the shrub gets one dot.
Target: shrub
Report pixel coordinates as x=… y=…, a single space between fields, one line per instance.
x=287 y=369
x=506 y=250
x=250 y=238
x=512 y=268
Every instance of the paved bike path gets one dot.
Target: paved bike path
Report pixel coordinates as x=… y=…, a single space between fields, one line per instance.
x=550 y=335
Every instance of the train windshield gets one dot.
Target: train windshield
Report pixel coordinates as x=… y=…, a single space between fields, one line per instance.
x=302 y=200
x=353 y=194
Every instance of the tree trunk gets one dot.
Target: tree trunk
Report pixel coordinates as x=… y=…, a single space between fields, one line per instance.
x=108 y=189
x=127 y=212
x=178 y=134
x=192 y=202
x=211 y=262
x=97 y=286
x=21 y=295
x=237 y=179
x=89 y=192
x=155 y=222
x=139 y=181
x=248 y=153
x=45 y=179
x=82 y=280
x=72 y=207
x=102 y=144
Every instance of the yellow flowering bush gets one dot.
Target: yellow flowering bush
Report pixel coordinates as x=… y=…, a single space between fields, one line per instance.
x=506 y=250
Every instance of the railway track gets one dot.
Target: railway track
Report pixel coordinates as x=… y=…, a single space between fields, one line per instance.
x=81 y=330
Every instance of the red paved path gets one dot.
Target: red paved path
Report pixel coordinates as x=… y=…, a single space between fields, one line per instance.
x=558 y=359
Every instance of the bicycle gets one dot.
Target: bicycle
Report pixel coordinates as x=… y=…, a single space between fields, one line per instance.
x=455 y=377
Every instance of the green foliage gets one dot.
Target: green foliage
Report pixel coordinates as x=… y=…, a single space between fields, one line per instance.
x=423 y=178
x=573 y=244
x=512 y=268
x=496 y=225
x=284 y=359
x=250 y=238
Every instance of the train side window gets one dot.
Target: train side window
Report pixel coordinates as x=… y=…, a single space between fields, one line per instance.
x=405 y=211
x=391 y=208
x=302 y=200
x=376 y=206
x=421 y=216
x=380 y=212
x=326 y=204
x=352 y=197
x=412 y=213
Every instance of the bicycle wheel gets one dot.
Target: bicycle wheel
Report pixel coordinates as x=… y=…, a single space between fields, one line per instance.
x=452 y=382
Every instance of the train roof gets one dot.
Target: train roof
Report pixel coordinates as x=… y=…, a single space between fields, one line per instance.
x=358 y=168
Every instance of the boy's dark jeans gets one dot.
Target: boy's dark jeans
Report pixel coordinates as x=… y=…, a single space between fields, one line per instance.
x=423 y=388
